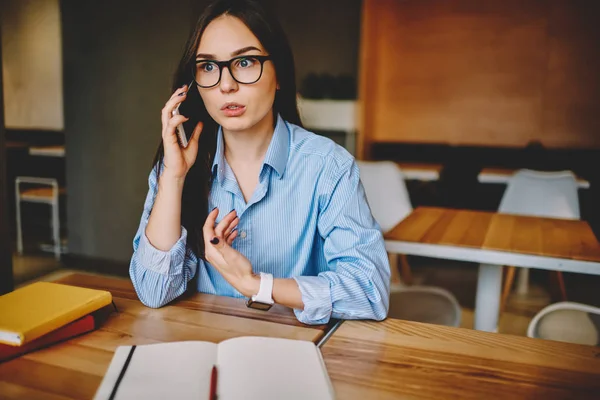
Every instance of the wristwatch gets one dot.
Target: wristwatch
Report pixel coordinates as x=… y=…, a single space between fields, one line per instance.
x=263 y=300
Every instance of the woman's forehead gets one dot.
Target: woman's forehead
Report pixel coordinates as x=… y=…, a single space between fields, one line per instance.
x=224 y=36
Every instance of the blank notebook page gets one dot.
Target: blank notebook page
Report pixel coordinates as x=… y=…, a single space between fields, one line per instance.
x=179 y=370
x=255 y=368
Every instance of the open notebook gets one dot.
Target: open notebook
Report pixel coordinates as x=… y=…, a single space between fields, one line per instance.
x=248 y=368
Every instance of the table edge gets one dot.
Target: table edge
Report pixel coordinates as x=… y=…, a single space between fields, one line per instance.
x=497 y=257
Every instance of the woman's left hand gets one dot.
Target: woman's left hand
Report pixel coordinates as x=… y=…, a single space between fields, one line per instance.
x=230 y=263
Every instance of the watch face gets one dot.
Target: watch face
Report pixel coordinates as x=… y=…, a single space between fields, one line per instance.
x=259 y=306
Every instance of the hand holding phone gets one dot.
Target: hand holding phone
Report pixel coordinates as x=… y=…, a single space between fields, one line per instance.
x=180 y=146
x=185 y=130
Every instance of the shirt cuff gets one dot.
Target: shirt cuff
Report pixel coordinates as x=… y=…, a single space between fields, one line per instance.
x=163 y=262
x=316 y=296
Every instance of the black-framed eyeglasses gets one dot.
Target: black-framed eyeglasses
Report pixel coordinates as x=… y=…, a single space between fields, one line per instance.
x=243 y=69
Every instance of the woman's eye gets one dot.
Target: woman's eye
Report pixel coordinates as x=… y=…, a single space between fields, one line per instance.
x=207 y=67
x=245 y=62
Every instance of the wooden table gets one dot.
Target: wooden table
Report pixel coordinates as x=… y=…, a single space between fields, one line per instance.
x=421 y=171
x=503 y=175
x=398 y=359
x=365 y=360
x=74 y=369
x=494 y=240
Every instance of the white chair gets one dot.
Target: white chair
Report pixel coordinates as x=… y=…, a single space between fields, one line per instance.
x=540 y=194
x=46 y=191
x=567 y=322
x=389 y=202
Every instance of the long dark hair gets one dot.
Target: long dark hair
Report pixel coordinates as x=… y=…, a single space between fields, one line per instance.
x=264 y=25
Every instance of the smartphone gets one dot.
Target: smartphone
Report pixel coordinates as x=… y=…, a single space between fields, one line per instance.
x=185 y=108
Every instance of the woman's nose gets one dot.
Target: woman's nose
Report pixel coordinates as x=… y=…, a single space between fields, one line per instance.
x=227 y=84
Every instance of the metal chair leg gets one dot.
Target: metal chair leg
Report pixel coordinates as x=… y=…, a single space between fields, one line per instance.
x=405 y=274
x=394 y=275
x=508 y=281
x=523 y=281
x=18 y=209
x=55 y=221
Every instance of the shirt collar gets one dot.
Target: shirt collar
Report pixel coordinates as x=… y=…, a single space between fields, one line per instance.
x=277 y=153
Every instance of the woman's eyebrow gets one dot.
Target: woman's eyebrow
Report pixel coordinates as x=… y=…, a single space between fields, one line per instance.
x=244 y=50
x=234 y=54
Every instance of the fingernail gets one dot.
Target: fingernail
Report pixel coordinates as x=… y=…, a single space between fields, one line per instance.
x=234 y=229
x=213 y=209
x=181 y=94
x=231 y=211
x=214 y=240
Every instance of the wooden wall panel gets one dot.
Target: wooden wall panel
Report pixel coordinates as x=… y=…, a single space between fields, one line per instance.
x=32 y=64
x=571 y=115
x=477 y=72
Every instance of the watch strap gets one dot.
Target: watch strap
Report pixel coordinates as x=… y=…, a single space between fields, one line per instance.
x=265 y=292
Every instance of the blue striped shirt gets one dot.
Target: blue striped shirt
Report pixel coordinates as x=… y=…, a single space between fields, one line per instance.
x=308 y=219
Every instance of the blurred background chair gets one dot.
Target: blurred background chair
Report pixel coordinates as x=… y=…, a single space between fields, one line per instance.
x=44 y=191
x=540 y=194
x=567 y=322
x=390 y=203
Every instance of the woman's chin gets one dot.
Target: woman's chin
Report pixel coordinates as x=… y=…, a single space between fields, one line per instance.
x=233 y=124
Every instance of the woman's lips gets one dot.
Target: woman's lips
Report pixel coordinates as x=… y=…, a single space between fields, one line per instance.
x=233 y=110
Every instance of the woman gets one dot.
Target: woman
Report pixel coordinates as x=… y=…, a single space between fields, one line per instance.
x=289 y=220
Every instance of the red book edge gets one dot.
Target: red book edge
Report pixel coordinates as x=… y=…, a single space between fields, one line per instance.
x=75 y=328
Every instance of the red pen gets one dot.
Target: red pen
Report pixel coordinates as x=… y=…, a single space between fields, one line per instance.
x=213 y=384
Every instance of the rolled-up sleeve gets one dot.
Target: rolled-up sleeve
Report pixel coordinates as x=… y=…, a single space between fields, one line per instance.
x=357 y=284
x=159 y=276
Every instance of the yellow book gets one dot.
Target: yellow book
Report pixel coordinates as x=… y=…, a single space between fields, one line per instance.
x=34 y=310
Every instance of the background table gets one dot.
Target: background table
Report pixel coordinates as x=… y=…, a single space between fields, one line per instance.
x=503 y=175
x=47 y=151
x=494 y=240
x=421 y=171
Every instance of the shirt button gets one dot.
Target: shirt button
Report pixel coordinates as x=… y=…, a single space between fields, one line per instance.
x=243 y=234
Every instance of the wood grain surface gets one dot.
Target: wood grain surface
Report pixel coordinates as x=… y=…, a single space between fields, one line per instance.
x=407 y=360
x=479 y=73
x=561 y=238
x=74 y=369
x=194 y=301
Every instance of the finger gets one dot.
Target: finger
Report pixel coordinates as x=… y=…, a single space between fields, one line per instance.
x=176 y=99
x=227 y=231
x=170 y=105
x=179 y=90
x=167 y=112
x=169 y=136
x=197 y=132
x=208 y=230
x=177 y=93
x=173 y=122
x=225 y=222
x=232 y=237
x=192 y=148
